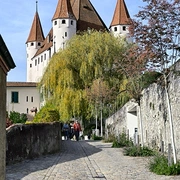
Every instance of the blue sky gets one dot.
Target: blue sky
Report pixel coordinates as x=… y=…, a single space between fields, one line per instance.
x=16 y=18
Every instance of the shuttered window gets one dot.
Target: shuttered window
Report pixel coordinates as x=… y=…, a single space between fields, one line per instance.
x=14 y=97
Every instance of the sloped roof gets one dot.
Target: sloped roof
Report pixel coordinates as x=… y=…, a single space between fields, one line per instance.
x=86 y=15
x=6 y=61
x=47 y=43
x=21 y=84
x=36 y=32
x=121 y=14
x=63 y=10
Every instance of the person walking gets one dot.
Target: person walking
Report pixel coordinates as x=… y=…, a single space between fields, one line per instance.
x=77 y=129
x=66 y=131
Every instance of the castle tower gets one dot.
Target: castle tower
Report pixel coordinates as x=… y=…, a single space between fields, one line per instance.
x=121 y=19
x=33 y=43
x=64 y=24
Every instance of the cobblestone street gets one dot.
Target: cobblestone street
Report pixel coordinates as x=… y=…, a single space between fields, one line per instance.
x=84 y=160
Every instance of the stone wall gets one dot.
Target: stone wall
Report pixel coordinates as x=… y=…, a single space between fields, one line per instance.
x=153 y=124
x=32 y=140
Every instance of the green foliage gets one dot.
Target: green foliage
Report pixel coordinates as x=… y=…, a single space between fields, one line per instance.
x=94 y=137
x=138 y=151
x=48 y=113
x=122 y=141
x=111 y=138
x=88 y=129
x=159 y=165
x=86 y=58
x=16 y=117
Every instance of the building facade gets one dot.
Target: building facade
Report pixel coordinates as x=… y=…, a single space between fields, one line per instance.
x=70 y=18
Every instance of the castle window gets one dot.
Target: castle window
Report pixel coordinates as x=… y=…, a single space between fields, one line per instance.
x=65 y=34
x=124 y=28
x=44 y=56
x=55 y=22
x=63 y=21
x=39 y=44
x=14 y=97
x=32 y=44
x=30 y=65
x=71 y=22
x=115 y=29
x=31 y=99
x=41 y=58
x=36 y=62
x=26 y=98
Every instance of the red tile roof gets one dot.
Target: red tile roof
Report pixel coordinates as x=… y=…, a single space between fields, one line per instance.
x=121 y=14
x=63 y=10
x=21 y=84
x=36 y=32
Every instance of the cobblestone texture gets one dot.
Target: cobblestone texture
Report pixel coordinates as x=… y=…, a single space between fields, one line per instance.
x=84 y=160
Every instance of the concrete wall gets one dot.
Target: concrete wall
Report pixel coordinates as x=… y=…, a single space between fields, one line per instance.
x=32 y=140
x=2 y=123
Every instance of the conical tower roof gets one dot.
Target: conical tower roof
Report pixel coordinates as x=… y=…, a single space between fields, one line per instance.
x=86 y=15
x=121 y=14
x=63 y=10
x=36 y=32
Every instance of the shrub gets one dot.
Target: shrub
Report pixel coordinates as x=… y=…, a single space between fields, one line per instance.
x=159 y=165
x=16 y=117
x=122 y=141
x=94 y=137
x=138 y=151
x=111 y=138
x=48 y=113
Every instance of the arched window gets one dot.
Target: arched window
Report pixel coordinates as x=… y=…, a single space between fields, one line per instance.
x=63 y=21
x=115 y=28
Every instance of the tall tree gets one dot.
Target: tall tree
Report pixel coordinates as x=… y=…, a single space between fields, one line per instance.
x=156 y=31
x=87 y=57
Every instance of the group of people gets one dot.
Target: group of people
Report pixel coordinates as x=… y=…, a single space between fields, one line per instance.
x=71 y=130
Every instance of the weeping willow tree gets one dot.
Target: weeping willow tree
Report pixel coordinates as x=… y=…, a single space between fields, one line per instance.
x=87 y=57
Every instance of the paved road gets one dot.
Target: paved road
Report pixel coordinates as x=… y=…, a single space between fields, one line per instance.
x=84 y=160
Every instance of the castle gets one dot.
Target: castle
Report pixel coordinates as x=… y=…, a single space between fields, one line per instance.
x=70 y=17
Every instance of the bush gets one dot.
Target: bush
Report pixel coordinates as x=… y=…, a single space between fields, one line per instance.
x=138 y=151
x=16 y=117
x=48 y=113
x=122 y=141
x=159 y=165
x=111 y=138
x=94 y=137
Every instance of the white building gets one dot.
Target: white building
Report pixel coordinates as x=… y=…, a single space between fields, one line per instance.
x=70 y=17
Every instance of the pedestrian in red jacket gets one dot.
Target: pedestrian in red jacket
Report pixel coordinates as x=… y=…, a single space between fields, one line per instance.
x=77 y=129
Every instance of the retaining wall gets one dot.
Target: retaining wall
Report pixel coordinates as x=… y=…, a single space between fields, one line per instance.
x=32 y=140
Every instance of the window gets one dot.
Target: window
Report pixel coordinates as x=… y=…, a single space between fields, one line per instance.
x=124 y=28
x=36 y=62
x=63 y=21
x=115 y=29
x=65 y=34
x=32 y=44
x=71 y=22
x=39 y=44
x=44 y=56
x=26 y=98
x=41 y=58
x=55 y=22
x=14 y=97
x=30 y=65
x=31 y=99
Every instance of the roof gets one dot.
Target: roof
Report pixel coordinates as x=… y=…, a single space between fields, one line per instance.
x=63 y=10
x=87 y=16
x=6 y=61
x=36 y=32
x=121 y=14
x=21 y=84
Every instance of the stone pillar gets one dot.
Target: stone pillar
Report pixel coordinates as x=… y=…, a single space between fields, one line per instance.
x=2 y=124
